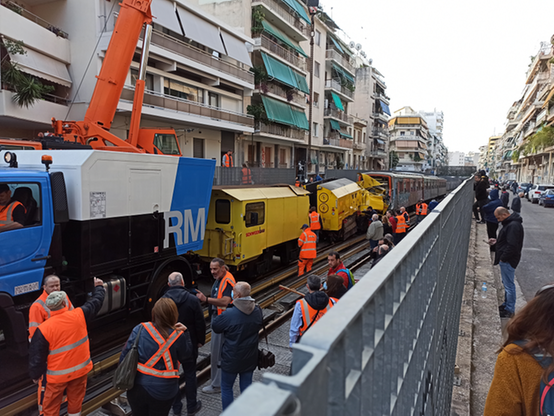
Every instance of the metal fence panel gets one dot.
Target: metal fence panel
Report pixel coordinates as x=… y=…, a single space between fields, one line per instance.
x=260 y=176
x=389 y=345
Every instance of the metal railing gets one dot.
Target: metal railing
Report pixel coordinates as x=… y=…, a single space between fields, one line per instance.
x=358 y=146
x=337 y=140
x=260 y=176
x=289 y=56
x=285 y=13
x=331 y=83
x=344 y=62
x=168 y=102
x=289 y=94
x=377 y=131
x=335 y=113
x=16 y=8
x=181 y=48
x=388 y=347
x=281 y=130
x=377 y=153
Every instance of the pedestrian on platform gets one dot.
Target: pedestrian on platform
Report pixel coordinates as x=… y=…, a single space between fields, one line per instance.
x=162 y=344
x=508 y=255
x=406 y=215
x=392 y=220
x=516 y=385
x=480 y=187
x=315 y=222
x=246 y=174
x=488 y=212
x=308 y=251
x=516 y=203
x=239 y=326
x=389 y=240
x=387 y=227
x=309 y=310
x=221 y=297
x=192 y=316
x=401 y=227
x=421 y=211
x=380 y=251
x=334 y=287
x=336 y=266
x=432 y=205
x=375 y=231
x=505 y=198
x=60 y=349
x=227 y=159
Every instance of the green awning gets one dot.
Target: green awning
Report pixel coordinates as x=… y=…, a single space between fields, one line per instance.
x=338 y=102
x=302 y=83
x=337 y=45
x=276 y=69
x=346 y=135
x=342 y=73
x=335 y=125
x=294 y=5
x=282 y=113
x=272 y=30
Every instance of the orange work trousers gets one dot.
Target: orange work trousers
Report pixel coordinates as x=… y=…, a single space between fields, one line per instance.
x=304 y=264
x=53 y=395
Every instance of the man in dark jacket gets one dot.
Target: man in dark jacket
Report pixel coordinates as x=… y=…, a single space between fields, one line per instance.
x=488 y=212
x=480 y=187
x=508 y=255
x=516 y=203
x=240 y=325
x=505 y=198
x=190 y=315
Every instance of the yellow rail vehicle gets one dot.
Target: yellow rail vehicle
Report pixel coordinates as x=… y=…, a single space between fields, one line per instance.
x=246 y=227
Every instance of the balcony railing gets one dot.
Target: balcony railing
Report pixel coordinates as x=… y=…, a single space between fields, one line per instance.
x=380 y=154
x=380 y=132
x=358 y=146
x=382 y=97
x=335 y=113
x=331 y=83
x=34 y=18
x=383 y=116
x=292 y=19
x=289 y=95
x=181 y=48
x=168 y=102
x=344 y=62
x=291 y=57
x=336 y=140
x=281 y=130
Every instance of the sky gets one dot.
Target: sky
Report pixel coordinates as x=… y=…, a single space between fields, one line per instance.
x=467 y=58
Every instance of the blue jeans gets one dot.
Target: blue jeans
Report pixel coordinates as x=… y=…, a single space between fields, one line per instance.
x=316 y=232
x=508 y=276
x=227 y=381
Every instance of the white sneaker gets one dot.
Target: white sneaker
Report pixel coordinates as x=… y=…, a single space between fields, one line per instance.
x=209 y=389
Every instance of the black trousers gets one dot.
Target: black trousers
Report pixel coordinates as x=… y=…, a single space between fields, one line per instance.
x=189 y=371
x=492 y=227
x=142 y=404
x=479 y=204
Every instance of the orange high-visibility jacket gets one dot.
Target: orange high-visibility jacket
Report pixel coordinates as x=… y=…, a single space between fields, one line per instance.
x=69 y=353
x=171 y=369
x=421 y=209
x=314 y=221
x=6 y=213
x=228 y=279
x=227 y=161
x=309 y=314
x=39 y=312
x=401 y=225
x=246 y=176
x=307 y=244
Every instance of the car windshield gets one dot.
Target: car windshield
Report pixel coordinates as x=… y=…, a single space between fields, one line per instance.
x=541 y=188
x=550 y=192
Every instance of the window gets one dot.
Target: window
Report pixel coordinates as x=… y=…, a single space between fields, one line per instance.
x=166 y=143
x=316 y=100
x=28 y=195
x=213 y=99
x=148 y=81
x=364 y=137
x=255 y=214
x=317 y=38
x=198 y=148
x=282 y=158
x=315 y=129
x=316 y=69
x=184 y=91
x=402 y=133
x=222 y=211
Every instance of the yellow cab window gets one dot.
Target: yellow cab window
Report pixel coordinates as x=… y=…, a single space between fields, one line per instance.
x=255 y=214
x=222 y=211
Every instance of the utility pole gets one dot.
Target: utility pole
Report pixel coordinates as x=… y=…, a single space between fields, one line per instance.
x=313 y=11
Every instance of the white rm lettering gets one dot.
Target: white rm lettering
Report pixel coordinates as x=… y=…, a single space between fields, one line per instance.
x=190 y=228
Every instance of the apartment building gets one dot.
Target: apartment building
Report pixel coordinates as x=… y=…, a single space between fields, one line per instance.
x=437 y=154
x=409 y=138
x=456 y=159
x=198 y=72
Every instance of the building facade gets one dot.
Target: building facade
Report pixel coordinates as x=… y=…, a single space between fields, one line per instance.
x=409 y=138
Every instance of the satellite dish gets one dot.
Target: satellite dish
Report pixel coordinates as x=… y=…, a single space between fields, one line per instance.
x=370 y=61
x=363 y=54
x=358 y=47
x=352 y=44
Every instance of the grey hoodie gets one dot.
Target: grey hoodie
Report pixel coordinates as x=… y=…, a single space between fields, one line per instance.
x=245 y=305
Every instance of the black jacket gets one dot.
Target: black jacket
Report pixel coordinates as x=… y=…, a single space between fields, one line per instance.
x=190 y=314
x=240 y=325
x=516 y=204
x=505 y=198
x=481 y=189
x=39 y=348
x=510 y=241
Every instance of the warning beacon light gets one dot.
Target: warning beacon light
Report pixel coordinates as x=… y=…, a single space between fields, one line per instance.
x=46 y=161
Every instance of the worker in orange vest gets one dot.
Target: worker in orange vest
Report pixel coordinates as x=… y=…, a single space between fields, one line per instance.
x=401 y=227
x=221 y=297
x=246 y=174
x=421 y=211
x=12 y=212
x=60 y=348
x=297 y=182
x=315 y=222
x=309 y=310
x=227 y=160
x=405 y=214
x=308 y=252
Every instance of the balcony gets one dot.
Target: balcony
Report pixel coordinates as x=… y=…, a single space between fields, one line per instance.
x=335 y=85
x=337 y=141
x=291 y=57
x=168 y=102
x=190 y=52
x=382 y=97
x=36 y=116
x=339 y=115
x=341 y=60
x=278 y=8
x=358 y=146
x=383 y=117
x=20 y=10
x=377 y=131
x=282 y=131
x=378 y=154
x=278 y=90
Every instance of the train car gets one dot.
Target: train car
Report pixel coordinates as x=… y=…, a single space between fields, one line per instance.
x=434 y=187
x=247 y=226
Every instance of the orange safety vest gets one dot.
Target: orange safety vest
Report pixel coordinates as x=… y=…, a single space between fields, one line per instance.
x=314 y=221
x=171 y=370
x=6 y=213
x=401 y=225
x=228 y=279
x=39 y=312
x=246 y=176
x=309 y=314
x=227 y=161
x=421 y=209
x=297 y=184
x=69 y=353
x=307 y=244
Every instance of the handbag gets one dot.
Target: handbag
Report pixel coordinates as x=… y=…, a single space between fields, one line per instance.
x=124 y=377
x=266 y=358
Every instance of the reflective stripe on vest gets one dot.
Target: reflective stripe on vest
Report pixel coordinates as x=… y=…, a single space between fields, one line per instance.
x=228 y=279
x=6 y=214
x=307 y=244
x=46 y=308
x=68 y=370
x=163 y=351
x=314 y=221
x=421 y=209
x=227 y=161
x=308 y=314
x=35 y=320
x=401 y=224
x=246 y=176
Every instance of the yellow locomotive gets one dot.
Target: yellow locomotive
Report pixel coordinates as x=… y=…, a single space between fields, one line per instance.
x=247 y=226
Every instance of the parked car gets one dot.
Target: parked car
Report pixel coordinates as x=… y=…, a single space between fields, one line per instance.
x=524 y=187
x=535 y=192
x=547 y=198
